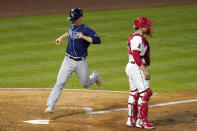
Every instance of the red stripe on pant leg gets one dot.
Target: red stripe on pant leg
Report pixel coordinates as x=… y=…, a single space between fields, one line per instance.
x=133 y=90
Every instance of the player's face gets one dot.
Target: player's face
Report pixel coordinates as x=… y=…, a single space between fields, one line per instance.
x=144 y=30
x=147 y=30
x=77 y=22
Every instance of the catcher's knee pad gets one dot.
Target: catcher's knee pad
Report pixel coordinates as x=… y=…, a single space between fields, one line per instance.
x=134 y=95
x=145 y=95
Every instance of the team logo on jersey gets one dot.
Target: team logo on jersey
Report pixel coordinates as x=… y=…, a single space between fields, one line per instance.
x=73 y=34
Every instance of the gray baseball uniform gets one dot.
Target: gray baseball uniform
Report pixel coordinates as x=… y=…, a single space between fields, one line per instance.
x=68 y=67
x=75 y=61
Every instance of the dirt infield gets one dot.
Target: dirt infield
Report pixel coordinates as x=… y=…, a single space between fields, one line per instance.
x=10 y=8
x=17 y=106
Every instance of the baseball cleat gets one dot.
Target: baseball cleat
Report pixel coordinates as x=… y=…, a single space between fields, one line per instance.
x=145 y=125
x=98 y=81
x=48 y=111
x=129 y=123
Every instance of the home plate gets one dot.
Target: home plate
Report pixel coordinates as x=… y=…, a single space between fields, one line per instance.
x=37 y=121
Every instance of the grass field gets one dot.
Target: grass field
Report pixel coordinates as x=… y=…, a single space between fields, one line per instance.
x=30 y=59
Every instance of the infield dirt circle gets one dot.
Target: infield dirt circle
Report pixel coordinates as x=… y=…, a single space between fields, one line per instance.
x=75 y=108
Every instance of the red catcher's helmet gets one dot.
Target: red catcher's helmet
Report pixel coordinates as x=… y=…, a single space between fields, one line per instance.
x=143 y=22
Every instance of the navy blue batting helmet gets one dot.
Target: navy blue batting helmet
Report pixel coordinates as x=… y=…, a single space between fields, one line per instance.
x=75 y=14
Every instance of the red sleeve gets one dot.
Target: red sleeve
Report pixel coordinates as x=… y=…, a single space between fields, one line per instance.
x=137 y=58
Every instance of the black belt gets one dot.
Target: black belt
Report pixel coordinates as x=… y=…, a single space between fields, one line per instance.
x=75 y=58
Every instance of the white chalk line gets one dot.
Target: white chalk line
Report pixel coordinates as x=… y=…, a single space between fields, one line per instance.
x=172 y=103
x=90 y=110
x=150 y=106
x=87 y=109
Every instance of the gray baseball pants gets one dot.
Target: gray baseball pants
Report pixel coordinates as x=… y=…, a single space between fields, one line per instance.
x=67 y=68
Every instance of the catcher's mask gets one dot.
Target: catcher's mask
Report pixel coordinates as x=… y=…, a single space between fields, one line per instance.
x=75 y=14
x=144 y=22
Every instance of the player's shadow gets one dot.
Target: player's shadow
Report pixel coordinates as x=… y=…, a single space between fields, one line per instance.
x=67 y=114
x=174 y=119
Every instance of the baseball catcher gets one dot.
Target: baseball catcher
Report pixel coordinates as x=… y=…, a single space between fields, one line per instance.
x=136 y=70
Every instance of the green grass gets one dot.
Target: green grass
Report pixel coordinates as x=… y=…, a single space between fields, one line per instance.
x=30 y=59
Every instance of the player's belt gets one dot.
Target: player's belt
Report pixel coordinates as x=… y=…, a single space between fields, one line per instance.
x=75 y=58
x=133 y=62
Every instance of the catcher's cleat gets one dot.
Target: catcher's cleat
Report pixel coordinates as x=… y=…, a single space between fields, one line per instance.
x=130 y=123
x=49 y=110
x=145 y=125
x=98 y=81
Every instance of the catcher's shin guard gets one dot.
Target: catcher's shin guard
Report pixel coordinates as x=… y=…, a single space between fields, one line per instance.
x=142 y=121
x=132 y=108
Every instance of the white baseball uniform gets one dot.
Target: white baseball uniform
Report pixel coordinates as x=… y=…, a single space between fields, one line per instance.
x=136 y=76
x=139 y=86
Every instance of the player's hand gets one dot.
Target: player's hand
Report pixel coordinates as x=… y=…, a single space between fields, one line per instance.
x=87 y=38
x=58 y=41
x=80 y=36
x=147 y=75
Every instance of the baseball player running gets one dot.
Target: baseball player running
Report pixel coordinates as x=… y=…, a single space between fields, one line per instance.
x=136 y=70
x=79 y=38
